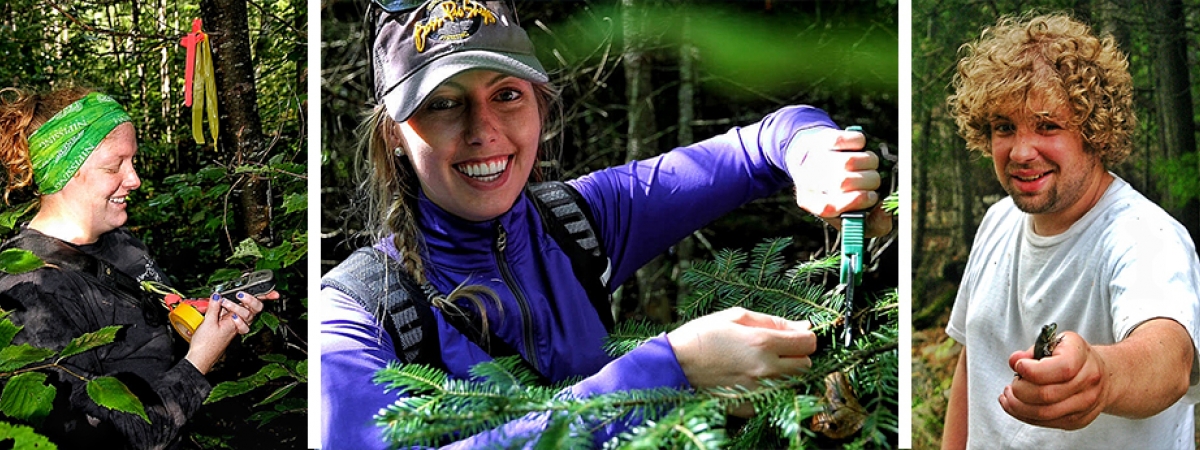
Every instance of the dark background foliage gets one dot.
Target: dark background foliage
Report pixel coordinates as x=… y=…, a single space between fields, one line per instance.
x=207 y=212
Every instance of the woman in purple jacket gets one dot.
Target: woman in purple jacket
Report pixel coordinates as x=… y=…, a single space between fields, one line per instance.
x=452 y=148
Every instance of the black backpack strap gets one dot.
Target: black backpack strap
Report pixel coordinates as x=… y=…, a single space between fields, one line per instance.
x=569 y=220
x=377 y=283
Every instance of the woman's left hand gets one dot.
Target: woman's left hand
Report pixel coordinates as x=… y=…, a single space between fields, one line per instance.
x=221 y=324
x=833 y=176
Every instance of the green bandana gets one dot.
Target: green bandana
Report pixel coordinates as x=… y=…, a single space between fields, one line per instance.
x=63 y=143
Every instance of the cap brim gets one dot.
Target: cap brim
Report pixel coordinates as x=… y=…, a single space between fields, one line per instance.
x=402 y=101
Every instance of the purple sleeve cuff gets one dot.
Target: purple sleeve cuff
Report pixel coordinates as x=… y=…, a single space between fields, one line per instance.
x=650 y=365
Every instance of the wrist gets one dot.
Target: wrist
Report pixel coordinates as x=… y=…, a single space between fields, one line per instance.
x=202 y=365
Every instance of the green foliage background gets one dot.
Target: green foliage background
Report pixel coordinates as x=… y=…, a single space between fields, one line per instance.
x=188 y=207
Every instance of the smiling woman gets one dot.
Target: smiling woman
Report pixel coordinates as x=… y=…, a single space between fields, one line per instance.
x=77 y=148
x=468 y=263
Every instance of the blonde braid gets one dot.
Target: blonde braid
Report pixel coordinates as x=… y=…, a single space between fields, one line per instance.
x=392 y=205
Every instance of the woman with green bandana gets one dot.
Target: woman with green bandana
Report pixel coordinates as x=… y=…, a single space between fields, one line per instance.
x=76 y=149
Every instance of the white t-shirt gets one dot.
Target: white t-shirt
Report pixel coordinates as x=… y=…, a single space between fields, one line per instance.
x=1124 y=262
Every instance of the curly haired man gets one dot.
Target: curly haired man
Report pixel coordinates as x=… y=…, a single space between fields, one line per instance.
x=1073 y=244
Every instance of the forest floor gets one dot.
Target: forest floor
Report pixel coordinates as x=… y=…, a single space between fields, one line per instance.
x=934 y=357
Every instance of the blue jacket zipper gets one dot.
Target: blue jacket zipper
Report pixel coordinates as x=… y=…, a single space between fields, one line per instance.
x=519 y=294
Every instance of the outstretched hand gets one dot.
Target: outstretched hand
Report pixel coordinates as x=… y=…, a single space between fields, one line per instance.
x=1065 y=390
x=832 y=176
x=221 y=324
x=737 y=347
x=1136 y=378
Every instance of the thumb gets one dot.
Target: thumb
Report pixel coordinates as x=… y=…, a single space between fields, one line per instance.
x=214 y=309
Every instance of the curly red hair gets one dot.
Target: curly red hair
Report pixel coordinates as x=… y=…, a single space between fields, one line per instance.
x=22 y=112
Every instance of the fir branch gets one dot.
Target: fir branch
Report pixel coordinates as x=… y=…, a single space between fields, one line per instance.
x=439 y=408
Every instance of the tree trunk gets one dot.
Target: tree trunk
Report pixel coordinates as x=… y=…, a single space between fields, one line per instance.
x=1173 y=95
x=651 y=278
x=966 y=191
x=241 y=126
x=687 y=102
x=920 y=190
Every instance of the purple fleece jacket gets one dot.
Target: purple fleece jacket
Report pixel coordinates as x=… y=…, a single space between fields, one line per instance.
x=641 y=209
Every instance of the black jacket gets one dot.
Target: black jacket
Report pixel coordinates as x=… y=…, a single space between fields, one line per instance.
x=56 y=304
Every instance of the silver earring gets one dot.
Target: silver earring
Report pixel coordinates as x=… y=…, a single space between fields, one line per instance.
x=399 y=151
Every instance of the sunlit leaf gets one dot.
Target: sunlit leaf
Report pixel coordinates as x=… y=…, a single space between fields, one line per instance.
x=247 y=248
x=295 y=202
x=10 y=216
x=17 y=261
x=8 y=329
x=18 y=356
x=27 y=397
x=23 y=437
x=91 y=340
x=111 y=393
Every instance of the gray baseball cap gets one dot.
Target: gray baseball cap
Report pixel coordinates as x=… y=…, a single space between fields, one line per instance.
x=420 y=45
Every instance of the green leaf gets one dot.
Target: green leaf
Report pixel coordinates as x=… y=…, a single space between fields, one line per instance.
x=250 y=168
x=274 y=357
x=17 y=261
x=211 y=173
x=18 y=356
x=161 y=201
x=27 y=397
x=302 y=371
x=10 y=217
x=278 y=394
x=223 y=275
x=270 y=372
x=269 y=320
x=188 y=193
x=295 y=202
x=247 y=248
x=111 y=393
x=7 y=330
x=263 y=417
x=88 y=341
x=227 y=389
x=24 y=438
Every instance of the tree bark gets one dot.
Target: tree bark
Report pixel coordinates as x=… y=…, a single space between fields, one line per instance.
x=687 y=106
x=1173 y=95
x=651 y=278
x=966 y=191
x=241 y=126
